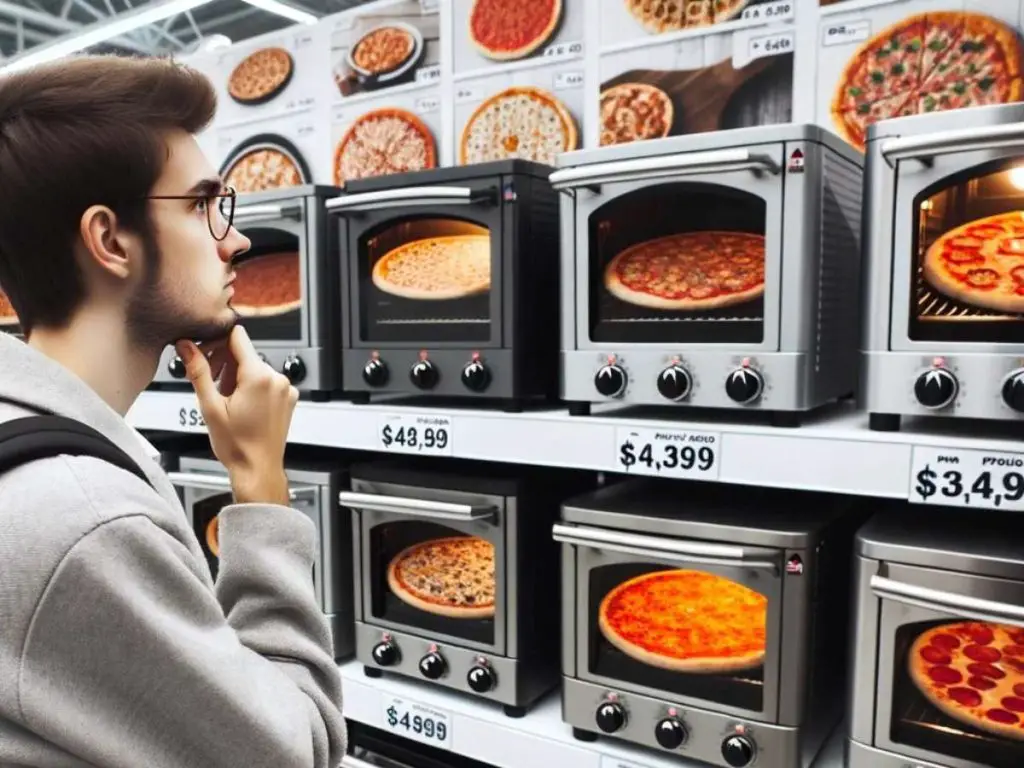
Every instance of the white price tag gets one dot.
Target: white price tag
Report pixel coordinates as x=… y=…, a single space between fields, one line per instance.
x=302 y=40
x=847 y=32
x=418 y=722
x=777 y=11
x=420 y=434
x=771 y=45
x=190 y=418
x=306 y=130
x=674 y=453
x=429 y=74
x=562 y=50
x=465 y=94
x=962 y=478
x=564 y=80
x=427 y=104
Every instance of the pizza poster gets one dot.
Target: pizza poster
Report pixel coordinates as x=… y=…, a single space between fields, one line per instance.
x=274 y=153
x=697 y=84
x=915 y=57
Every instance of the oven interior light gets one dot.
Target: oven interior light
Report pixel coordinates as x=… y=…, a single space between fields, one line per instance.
x=1017 y=177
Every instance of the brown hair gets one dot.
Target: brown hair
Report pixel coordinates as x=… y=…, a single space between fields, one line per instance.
x=75 y=133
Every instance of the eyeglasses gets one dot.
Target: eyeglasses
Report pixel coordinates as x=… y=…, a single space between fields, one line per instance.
x=219 y=221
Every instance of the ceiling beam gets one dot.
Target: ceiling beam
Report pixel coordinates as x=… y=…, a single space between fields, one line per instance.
x=56 y=23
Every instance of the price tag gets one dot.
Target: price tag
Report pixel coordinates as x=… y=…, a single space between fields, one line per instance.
x=302 y=40
x=465 y=94
x=847 y=32
x=667 y=453
x=191 y=417
x=426 y=104
x=429 y=74
x=424 y=435
x=785 y=9
x=306 y=130
x=960 y=478
x=564 y=80
x=771 y=45
x=418 y=722
x=562 y=50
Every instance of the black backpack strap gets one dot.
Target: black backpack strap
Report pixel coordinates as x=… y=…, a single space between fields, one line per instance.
x=41 y=437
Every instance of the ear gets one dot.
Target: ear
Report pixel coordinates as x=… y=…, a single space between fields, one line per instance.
x=110 y=247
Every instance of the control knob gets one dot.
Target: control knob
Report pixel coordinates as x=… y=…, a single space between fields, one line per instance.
x=433 y=666
x=176 y=367
x=424 y=375
x=936 y=388
x=744 y=385
x=375 y=373
x=294 y=369
x=481 y=678
x=610 y=380
x=476 y=376
x=611 y=716
x=674 y=383
x=738 y=751
x=670 y=733
x=385 y=653
x=1013 y=390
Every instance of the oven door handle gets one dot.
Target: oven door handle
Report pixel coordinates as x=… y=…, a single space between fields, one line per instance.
x=351 y=761
x=403 y=505
x=670 y=549
x=975 y=608
x=925 y=148
x=260 y=212
x=223 y=483
x=407 y=196
x=718 y=161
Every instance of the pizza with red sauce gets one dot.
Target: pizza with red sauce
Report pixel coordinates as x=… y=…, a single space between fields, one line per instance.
x=7 y=314
x=268 y=285
x=973 y=672
x=981 y=263
x=689 y=271
x=512 y=29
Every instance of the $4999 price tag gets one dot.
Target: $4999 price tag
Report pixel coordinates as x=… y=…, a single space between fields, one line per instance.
x=419 y=722
x=961 y=478
x=667 y=452
x=420 y=434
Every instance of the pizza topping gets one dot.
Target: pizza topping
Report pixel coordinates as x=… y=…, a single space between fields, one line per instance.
x=1013 y=246
x=1002 y=716
x=946 y=642
x=981 y=683
x=945 y=675
x=383 y=142
x=965 y=696
x=1014 y=703
x=454 y=572
x=1014 y=650
x=964 y=257
x=935 y=655
x=383 y=50
x=966 y=243
x=983 y=654
x=1018 y=689
x=634 y=112
x=986 y=670
x=982 y=278
x=512 y=27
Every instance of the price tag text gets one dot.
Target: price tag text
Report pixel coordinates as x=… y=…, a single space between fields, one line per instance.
x=667 y=453
x=191 y=417
x=560 y=50
x=564 y=80
x=770 y=11
x=961 y=478
x=771 y=45
x=419 y=434
x=847 y=32
x=430 y=74
x=419 y=722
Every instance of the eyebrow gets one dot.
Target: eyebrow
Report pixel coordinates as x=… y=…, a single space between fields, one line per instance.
x=211 y=186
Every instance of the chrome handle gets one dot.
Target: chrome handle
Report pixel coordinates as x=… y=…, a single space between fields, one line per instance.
x=924 y=148
x=351 y=761
x=251 y=214
x=402 y=505
x=975 y=608
x=717 y=161
x=223 y=483
x=647 y=546
x=400 y=198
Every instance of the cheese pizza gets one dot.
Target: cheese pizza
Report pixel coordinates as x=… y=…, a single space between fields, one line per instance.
x=7 y=314
x=260 y=76
x=383 y=50
x=635 y=112
x=519 y=122
x=263 y=168
x=268 y=285
x=512 y=29
x=451 y=267
x=451 y=577
x=383 y=142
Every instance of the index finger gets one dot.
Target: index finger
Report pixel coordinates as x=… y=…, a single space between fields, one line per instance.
x=242 y=350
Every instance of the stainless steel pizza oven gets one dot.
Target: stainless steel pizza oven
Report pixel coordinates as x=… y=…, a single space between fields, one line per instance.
x=777 y=576
x=455 y=575
x=928 y=581
x=947 y=344
x=453 y=283
x=777 y=201
x=287 y=290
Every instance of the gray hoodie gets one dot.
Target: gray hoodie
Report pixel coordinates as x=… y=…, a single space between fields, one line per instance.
x=117 y=649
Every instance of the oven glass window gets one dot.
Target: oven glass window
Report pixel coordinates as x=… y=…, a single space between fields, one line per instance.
x=959 y=691
x=268 y=286
x=8 y=317
x=426 y=280
x=687 y=632
x=968 y=280
x=434 y=579
x=204 y=523
x=678 y=263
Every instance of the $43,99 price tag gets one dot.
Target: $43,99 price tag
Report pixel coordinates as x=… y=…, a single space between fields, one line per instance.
x=667 y=452
x=420 y=434
x=960 y=478
x=418 y=722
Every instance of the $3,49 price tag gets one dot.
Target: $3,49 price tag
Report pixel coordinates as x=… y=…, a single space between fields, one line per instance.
x=961 y=478
x=421 y=434
x=667 y=452
x=419 y=722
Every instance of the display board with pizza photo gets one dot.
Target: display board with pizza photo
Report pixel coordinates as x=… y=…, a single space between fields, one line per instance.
x=384 y=44
x=695 y=85
x=8 y=317
x=273 y=153
x=916 y=57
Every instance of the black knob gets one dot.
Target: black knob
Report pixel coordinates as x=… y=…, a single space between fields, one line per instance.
x=936 y=388
x=611 y=716
x=1013 y=390
x=375 y=373
x=744 y=385
x=294 y=369
x=385 y=653
x=670 y=733
x=176 y=367
x=674 y=383
x=481 y=678
x=424 y=375
x=610 y=380
x=476 y=376
x=738 y=751
x=432 y=666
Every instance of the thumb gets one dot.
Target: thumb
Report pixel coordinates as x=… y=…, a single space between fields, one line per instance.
x=197 y=369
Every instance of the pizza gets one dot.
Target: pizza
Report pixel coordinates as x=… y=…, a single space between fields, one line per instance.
x=7 y=314
x=512 y=29
x=634 y=112
x=981 y=263
x=451 y=267
x=260 y=76
x=268 y=285
x=519 y=122
x=660 y=16
x=451 y=577
x=973 y=672
x=928 y=62
x=213 y=537
x=263 y=168
x=686 y=621
x=383 y=142
x=689 y=271
x=383 y=50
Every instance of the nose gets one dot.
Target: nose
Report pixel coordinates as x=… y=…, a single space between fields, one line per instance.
x=234 y=244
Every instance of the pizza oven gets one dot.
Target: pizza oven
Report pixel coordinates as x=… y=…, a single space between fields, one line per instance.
x=944 y=252
x=756 y=581
x=455 y=575
x=452 y=283
x=937 y=672
x=287 y=288
x=713 y=270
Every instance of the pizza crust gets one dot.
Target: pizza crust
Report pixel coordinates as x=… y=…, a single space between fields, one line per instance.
x=479 y=249
x=498 y=148
x=405 y=157
x=448 y=611
x=518 y=53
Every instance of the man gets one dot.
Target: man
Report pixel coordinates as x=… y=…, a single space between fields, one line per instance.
x=117 y=649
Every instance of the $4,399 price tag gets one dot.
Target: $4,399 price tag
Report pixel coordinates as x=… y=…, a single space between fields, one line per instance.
x=961 y=478
x=421 y=434
x=419 y=722
x=667 y=452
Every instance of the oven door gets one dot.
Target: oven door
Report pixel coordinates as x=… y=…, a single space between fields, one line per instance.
x=728 y=202
x=955 y=181
x=622 y=658
x=986 y=620
x=392 y=527
x=272 y=295
x=425 y=265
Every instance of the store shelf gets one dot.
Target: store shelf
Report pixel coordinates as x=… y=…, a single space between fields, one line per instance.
x=481 y=730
